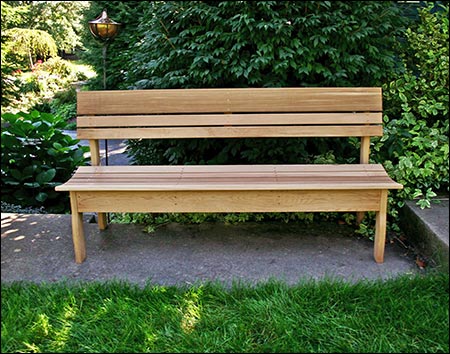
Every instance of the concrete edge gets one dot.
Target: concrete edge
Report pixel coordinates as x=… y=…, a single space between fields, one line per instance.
x=427 y=230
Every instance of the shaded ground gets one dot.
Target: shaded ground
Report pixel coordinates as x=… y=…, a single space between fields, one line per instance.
x=39 y=248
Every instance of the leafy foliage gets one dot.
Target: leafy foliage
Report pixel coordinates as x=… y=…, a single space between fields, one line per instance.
x=61 y=19
x=259 y=44
x=256 y=43
x=9 y=84
x=28 y=45
x=414 y=147
x=265 y=43
x=13 y=14
x=36 y=157
x=152 y=221
x=32 y=32
x=47 y=88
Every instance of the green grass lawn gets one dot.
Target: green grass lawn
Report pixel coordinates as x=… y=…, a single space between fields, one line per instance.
x=408 y=314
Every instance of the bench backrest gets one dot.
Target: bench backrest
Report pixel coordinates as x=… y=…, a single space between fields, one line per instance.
x=230 y=113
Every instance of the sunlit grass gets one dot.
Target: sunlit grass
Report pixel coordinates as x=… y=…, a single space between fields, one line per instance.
x=409 y=314
x=87 y=69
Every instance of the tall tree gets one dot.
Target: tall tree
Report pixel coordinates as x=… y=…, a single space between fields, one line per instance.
x=61 y=19
x=30 y=44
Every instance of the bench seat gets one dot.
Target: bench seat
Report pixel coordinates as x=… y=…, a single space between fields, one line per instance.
x=231 y=188
x=229 y=177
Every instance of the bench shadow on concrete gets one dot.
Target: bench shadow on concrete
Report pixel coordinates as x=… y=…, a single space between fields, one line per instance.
x=39 y=248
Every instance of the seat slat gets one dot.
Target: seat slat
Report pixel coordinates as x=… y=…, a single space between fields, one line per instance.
x=234 y=168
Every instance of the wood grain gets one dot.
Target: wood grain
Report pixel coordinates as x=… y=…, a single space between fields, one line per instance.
x=303 y=99
x=232 y=177
x=229 y=201
x=252 y=119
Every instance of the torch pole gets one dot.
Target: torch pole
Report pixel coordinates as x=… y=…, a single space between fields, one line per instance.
x=105 y=46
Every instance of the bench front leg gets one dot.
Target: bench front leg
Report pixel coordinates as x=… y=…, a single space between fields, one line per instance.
x=79 y=243
x=380 y=228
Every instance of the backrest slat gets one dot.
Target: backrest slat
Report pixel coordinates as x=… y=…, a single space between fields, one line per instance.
x=336 y=99
x=232 y=132
x=255 y=119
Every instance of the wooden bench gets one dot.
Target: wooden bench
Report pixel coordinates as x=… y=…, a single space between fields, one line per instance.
x=229 y=113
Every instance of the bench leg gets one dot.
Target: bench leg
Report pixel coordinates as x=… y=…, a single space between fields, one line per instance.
x=380 y=229
x=102 y=220
x=79 y=243
x=95 y=158
x=359 y=217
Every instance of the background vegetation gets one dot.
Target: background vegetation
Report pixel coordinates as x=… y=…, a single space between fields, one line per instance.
x=180 y=44
x=36 y=157
x=414 y=148
x=36 y=36
x=278 y=43
x=39 y=102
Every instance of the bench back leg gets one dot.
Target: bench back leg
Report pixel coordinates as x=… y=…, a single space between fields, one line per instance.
x=359 y=217
x=102 y=221
x=79 y=243
x=363 y=159
x=95 y=161
x=380 y=229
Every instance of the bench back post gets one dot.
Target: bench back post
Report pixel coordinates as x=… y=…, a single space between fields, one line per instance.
x=95 y=152
x=364 y=150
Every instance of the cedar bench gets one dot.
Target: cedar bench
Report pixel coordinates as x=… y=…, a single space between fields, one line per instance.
x=229 y=113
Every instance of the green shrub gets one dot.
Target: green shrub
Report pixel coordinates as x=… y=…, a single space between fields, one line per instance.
x=265 y=44
x=36 y=157
x=36 y=90
x=64 y=105
x=58 y=66
x=9 y=85
x=260 y=44
x=414 y=148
